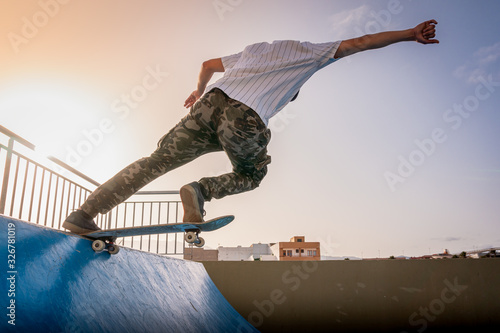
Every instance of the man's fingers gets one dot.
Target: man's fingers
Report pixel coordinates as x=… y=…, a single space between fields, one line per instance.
x=189 y=101
x=429 y=28
x=431 y=41
x=431 y=34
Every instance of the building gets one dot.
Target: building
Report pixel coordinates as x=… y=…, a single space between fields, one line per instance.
x=297 y=249
x=445 y=255
x=493 y=252
x=255 y=252
x=199 y=254
x=238 y=253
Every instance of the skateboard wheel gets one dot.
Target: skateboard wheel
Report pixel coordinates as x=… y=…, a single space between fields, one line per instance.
x=200 y=243
x=113 y=249
x=98 y=245
x=190 y=237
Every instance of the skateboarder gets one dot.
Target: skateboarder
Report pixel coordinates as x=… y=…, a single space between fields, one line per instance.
x=233 y=116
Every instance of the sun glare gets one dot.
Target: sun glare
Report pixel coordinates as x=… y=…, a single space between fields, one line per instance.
x=45 y=114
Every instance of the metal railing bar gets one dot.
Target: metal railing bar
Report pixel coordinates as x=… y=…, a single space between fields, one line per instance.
x=74 y=196
x=24 y=189
x=32 y=192
x=150 y=223
x=4 y=168
x=159 y=217
x=48 y=199
x=133 y=223
x=156 y=192
x=41 y=195
x=154 y=201
x=116 y=218
x=142 y=224
x=176 y=219
x=62 y=203
x=67 y=201
x=79 y=197
x=6 y=175
x=168 y=219
x=55 y=203
x=125 y=216
x=109 y=217
x=14 y=187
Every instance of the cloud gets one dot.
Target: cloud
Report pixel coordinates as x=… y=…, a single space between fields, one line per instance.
x=448 y=239
x=452 y=239
x=483 y=62
x=489 y=54
x=342 y=23
x=363 y=20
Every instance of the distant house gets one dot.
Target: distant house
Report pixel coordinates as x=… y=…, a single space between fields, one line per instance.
x=444 y=255
x=297 y=249
x=493 y=252
x=255 y=252
x=200 y=254
x=427 y=256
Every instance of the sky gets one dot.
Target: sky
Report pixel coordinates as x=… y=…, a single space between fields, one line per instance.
x=387 y=152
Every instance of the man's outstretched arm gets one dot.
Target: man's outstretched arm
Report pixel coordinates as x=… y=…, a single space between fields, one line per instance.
x=208 y=68
x=423 y=33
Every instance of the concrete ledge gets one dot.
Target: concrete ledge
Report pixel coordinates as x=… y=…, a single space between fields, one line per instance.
x=363 y=296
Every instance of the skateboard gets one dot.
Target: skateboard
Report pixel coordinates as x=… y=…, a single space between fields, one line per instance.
x=105 y=239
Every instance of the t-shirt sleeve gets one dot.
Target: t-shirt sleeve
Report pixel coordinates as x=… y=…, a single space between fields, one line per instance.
x=229 y=61
x=324 y=52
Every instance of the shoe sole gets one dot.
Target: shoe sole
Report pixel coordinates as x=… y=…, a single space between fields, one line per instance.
x=76 y=229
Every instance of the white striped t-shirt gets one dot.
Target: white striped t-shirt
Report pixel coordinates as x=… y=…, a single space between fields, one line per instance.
x=265 y=77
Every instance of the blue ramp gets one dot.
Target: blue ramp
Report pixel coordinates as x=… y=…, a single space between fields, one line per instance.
x=54 y=282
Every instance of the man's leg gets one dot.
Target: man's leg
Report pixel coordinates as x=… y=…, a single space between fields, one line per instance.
x=186 y=141
x=244 y=138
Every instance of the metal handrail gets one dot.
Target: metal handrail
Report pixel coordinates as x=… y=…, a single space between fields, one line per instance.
x=16 y=137
x=156 y=192
x=57 y=161
x=36 y=193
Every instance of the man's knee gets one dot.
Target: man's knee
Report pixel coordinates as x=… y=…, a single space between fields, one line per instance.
x=262 y=173
x=255 y=175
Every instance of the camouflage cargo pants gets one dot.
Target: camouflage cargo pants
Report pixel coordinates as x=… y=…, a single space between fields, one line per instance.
x=215 y=123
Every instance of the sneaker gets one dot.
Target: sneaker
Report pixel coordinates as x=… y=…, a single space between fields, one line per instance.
x=192 y=202
x=80 y=222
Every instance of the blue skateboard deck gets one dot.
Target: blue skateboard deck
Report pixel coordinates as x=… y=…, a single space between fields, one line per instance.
x=191 y=229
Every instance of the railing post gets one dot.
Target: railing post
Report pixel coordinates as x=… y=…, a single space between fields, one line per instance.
x=6 y=174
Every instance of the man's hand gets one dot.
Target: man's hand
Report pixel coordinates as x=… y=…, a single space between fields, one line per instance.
x=195 y=95
x=425 y=32
x=208 y=68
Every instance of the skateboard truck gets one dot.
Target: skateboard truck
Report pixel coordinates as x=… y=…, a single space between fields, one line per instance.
x=192 y=237
x=100 y=245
